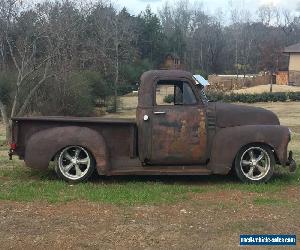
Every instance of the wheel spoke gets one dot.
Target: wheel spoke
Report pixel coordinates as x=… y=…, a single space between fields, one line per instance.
x=68 y=156
x=68 y=167
x=260 y=157
x=78 y=171
x=84 y=161
x=261 y=169
x=250 y=173
x=77 y=152
x=246 y=163
x=251 y=153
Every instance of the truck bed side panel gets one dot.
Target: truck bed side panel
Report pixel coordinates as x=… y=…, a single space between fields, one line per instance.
x=120 y=138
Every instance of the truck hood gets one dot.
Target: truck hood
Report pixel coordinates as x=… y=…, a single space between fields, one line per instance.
x=230 y=115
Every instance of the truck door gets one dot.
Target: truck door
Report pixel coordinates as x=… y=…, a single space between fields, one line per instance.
x=178 y=123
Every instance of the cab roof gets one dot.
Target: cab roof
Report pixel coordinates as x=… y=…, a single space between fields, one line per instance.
x=147 y=86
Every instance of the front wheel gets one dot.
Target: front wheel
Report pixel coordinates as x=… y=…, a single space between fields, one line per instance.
x=255 y=164
x=74 y=164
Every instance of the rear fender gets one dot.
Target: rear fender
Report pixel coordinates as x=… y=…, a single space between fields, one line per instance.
x=228 y=142
x=44 y=145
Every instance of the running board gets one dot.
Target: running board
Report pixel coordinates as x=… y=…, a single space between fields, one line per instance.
x=149 y=170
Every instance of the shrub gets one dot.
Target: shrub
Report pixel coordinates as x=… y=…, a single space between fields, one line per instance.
x=253 y=98
x=278 y=97
x=68 y=97
x=124 y=89
x=101 y=88
x=169 y=98
x=7 y=82
x=294 y=96
x=215 y=96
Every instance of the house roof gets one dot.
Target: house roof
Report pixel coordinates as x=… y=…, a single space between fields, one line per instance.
x=295 y=48
x=173 y=55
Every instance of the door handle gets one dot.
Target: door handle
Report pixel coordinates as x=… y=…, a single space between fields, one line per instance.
x=159 y=113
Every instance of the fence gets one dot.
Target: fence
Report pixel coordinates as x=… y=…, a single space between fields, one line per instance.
x=232 y=82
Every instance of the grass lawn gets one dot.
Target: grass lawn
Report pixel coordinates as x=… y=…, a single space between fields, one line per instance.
x=18 y=183
x=38 y=211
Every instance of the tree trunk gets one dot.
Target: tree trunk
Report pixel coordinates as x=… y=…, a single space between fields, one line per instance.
x=116 y=85
x=271 y=84
x=116 y=78
x=236 y=59
x=6 y=122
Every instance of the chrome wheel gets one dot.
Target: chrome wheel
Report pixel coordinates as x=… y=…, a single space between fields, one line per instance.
x=255 y=163
x=74 y=162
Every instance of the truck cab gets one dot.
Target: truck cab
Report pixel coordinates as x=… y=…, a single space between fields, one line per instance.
x=172 y=120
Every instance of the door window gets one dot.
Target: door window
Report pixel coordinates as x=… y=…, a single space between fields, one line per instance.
x=174 y=93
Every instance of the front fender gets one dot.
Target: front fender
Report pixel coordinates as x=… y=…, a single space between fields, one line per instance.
x=228 y=141
x=44 y=145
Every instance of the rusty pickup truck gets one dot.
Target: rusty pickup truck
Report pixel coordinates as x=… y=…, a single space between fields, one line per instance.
x=176 y=132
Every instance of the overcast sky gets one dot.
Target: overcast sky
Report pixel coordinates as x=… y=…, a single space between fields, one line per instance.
x=135 y=6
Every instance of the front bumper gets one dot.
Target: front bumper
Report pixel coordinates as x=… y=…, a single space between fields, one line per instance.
x=291 y=162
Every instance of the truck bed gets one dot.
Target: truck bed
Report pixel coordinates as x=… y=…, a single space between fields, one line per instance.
x=76 y=119
x=120 y=135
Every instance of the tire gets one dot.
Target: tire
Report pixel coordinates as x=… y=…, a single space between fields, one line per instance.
x=74 y=164
x=255 y=164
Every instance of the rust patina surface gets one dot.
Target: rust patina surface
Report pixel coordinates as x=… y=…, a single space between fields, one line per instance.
x=202 y=138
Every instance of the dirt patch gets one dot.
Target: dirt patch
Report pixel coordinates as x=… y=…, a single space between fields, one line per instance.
x=205 y=221
x=291 y=193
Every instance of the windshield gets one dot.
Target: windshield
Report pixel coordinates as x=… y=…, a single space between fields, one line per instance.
x=201 y=83
x=203 y=95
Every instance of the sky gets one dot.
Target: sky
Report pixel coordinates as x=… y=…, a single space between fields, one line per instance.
x=136 y=6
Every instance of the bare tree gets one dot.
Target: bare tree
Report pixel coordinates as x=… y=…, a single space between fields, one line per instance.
x=112 y=38
x=267 y=14
x=31 y=65
x=63 y=38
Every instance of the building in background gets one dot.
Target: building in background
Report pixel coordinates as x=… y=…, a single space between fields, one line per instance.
x=282 y=77
x=294 y=64
x=172 y=61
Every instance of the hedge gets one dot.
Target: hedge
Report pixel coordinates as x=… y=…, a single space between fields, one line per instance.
x=294 y=96
x=252 y=98
x=247 y=98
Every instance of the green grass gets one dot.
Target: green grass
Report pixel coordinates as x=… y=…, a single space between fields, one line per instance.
x=28 y=185
x=19 y=183
x=22 y=184
x=269 y=201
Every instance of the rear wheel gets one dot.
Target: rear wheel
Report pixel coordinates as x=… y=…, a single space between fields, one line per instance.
x=255 y=164
x=74 y=164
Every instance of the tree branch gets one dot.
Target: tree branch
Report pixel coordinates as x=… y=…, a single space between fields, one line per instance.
x=35 y=69
x=12 y=54
x=32 y=92
x=5 y=120
x=3 y=113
